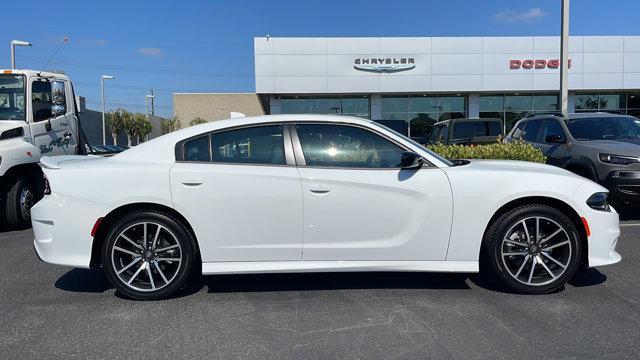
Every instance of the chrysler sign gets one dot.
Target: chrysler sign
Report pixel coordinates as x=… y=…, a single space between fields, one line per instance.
x=535 y=64
x=384 y=65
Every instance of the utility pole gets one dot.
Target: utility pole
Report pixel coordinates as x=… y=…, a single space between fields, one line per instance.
x=153 y=108
x=564 y=59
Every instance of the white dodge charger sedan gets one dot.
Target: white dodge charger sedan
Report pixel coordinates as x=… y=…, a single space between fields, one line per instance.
x=303 y=193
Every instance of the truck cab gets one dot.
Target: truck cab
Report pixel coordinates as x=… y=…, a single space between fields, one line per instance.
x=38 y=116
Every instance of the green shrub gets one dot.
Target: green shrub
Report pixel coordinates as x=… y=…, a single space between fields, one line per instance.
x=513 y=151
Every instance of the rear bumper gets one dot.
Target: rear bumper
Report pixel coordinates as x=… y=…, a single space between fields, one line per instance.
x=605 y=231
x=624 y=187
x=62 y=229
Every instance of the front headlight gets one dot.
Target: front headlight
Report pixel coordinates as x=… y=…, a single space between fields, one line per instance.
x=598 y=201
x=618 y=159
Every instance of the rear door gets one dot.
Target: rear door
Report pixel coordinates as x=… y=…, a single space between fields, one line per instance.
x=240 y=190
x=556 y=153
x=359 y=204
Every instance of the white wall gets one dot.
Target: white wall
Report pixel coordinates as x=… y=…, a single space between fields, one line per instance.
x=471 y=64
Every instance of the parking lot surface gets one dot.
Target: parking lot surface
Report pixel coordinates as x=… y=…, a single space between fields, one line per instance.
x=60 y=312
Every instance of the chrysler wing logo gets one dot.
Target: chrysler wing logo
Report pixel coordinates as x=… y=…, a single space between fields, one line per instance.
x=384 y=65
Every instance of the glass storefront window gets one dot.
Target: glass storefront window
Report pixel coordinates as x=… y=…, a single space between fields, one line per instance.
x=324 y=105
x=395 y=104
x=545 y=103
x=586 y=102
x=421 y=124
x=612 y=101
x=424 y=104
x=523 y=102
x=492 y=103
x=295 y=105
x=356 y=106
x=453 y=104
x=633 y=100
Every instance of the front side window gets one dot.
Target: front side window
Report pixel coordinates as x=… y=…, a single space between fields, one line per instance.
x=531 y=130
x=41 y=100
x=517 y=133
x=346 y=146
x=552 y=128
x=12 y=105
x=254 y=145
x=470 y=129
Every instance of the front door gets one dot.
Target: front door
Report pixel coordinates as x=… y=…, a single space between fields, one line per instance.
x=556 y=152
x=358 y=203
x=240 y=191
x=52 y=118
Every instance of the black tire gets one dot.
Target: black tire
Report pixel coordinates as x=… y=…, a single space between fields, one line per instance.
x=503 y=267
x=14 y=216
x=178 y=276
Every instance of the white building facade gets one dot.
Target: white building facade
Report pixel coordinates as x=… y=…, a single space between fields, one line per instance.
x=422 y=80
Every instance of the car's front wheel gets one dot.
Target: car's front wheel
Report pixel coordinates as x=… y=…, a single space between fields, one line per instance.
x=532 y=249
x=148 y=255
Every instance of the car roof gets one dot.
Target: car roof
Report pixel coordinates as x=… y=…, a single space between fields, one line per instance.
x=581 y=115
x=467 y=120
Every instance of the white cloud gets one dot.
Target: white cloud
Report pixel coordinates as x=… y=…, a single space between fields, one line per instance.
x=148 y=51
x=509 y=15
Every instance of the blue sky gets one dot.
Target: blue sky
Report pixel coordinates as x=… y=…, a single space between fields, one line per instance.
x=207 y=46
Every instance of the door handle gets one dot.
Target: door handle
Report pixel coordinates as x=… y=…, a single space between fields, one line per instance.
x=319 y=189
x=67 y=135
x=192 y=182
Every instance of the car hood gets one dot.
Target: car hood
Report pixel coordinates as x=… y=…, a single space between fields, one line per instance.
x=518 y=166
x=628 y=147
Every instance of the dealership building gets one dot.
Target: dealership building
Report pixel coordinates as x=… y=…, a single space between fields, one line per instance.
x=422 y=80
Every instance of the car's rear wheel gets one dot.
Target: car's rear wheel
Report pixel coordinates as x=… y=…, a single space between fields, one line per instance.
x=148 y=255
x=532 y=249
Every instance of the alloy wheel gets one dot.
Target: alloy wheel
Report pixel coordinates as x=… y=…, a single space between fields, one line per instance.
x=26 y=202
x=536 y=250
x=146 y=256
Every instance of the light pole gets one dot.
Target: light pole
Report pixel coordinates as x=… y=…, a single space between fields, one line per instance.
x=564 y=59
x=15 y=43
x=104 y=128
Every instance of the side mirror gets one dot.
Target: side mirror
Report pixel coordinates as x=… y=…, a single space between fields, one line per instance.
x=47 y=125
x=57 y=110
x=410 y=160
x=555 y=139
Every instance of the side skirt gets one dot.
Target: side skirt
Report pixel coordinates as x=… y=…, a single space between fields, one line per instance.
x=249 y=267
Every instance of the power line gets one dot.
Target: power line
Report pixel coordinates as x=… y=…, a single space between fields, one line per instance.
x=137 y=69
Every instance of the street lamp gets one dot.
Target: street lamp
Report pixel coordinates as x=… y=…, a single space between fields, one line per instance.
x=15 y=43
x=564 y=59
x=104 y=128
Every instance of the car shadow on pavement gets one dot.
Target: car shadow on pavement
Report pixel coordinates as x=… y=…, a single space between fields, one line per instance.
x=94 y=281
x=627 y=214
x=333 y=281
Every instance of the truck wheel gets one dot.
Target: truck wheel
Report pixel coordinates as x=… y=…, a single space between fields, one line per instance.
x=17 y=203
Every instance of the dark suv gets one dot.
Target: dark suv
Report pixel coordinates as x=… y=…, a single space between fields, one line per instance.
x=600 y=146
x=466 y=131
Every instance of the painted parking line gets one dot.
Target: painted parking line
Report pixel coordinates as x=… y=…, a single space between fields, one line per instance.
x=630 y=224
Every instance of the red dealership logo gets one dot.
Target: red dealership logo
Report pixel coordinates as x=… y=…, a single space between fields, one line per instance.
x=535 y=64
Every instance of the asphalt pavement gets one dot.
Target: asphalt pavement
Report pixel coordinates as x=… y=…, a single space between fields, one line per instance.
x=59 y=312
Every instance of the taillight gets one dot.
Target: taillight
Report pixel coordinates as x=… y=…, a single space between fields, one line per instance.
x=47 y=188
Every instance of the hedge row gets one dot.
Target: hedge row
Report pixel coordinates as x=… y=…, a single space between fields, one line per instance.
x=511 y=151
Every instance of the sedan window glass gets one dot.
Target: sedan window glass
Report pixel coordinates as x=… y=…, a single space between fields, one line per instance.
x=197 y=149
x=552 y=128
x=517 y=133
x=255 y=145
x=346 y=146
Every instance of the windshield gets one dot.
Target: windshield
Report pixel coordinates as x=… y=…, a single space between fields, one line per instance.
x=604 y=128
x=417 y=144
x=12 y=106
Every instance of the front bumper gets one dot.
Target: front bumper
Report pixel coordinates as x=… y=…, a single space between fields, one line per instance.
x=62 y=229
x=624 y=187
x=605 y=231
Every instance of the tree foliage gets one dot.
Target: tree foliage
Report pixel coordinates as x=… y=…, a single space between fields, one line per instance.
x=116 y=121
x=197 y=121
x=171 y=125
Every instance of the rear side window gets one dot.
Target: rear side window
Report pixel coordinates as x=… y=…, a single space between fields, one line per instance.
x=255 y=145
x=197 y=149
x=469 y=129
x=531 y=130
x=517 y=132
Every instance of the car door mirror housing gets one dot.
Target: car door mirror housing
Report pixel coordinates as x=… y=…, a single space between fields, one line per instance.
x=57 y=110
x=555 y=139
x=410 y=160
